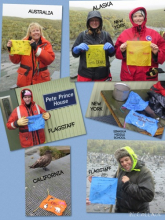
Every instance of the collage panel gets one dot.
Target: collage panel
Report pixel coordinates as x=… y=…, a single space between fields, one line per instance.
x=47 y=181
x=31 y=44
x=117 y=41
x=125 y=177
x=136 y=106
x=41 y=113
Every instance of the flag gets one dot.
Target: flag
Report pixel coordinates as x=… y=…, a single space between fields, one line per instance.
x=103 y=190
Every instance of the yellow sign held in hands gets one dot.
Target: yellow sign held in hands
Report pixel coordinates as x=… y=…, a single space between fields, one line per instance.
x=95 y=56
x=20 y=47
x=139 y=53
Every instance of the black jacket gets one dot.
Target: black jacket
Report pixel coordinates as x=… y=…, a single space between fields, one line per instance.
x=94 y=39
x=134 y=195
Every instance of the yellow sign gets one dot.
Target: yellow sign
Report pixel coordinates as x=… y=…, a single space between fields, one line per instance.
x=139 y=53
x=95 y=56
x=20 y=47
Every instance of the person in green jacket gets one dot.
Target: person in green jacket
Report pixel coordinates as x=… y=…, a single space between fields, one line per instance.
x=135 y=187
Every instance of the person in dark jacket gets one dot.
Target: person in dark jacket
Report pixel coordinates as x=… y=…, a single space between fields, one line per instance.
x=93 y=36
x=135 y=187
x=139 y=32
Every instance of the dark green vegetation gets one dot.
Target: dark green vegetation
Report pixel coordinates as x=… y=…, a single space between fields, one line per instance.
x=78 y=20
x=16 y=29
x=56 y=153
x=139 y=147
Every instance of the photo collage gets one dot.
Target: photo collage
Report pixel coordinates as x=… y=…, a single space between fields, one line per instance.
x=82 y=109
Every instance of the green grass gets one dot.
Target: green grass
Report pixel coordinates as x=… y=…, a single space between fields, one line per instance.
x=16 y=28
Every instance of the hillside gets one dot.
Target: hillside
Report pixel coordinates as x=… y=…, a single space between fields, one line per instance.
x=15 y=28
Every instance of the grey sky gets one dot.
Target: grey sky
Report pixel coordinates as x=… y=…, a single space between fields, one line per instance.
x=148 y=4
x=21 y=10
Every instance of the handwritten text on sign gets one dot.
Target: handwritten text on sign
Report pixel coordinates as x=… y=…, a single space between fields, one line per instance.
x=95 y=56
x=21 y=47
x=59 y=99
x=103 y=190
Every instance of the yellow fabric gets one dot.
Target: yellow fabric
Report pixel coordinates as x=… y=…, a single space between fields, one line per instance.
x=95 y=56
x=52 y=204
x=139 y=53
x=20 y=47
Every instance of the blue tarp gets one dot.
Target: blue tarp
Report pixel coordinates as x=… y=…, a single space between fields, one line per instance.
x=103 y=190
x=142 y=121
x=135 y=102
x=36 y=122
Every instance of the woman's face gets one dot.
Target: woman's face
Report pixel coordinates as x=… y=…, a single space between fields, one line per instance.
x=138 y=18
x=35 y=33
x=27 y=99
x=126 y=163
x=94 y=22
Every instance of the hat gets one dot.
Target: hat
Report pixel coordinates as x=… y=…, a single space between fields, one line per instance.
x=140 y=12
x=26 y=92
x=120 y=153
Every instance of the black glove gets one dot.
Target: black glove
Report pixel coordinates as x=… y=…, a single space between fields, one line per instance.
x=34 y=45
x=9 y=48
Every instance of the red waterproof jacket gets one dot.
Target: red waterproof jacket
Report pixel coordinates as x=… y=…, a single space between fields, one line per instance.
x=27 y=138
x=159 y=87
x=33 y=69
x=138 y=73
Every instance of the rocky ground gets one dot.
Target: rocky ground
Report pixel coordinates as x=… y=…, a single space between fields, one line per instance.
x=9 y=70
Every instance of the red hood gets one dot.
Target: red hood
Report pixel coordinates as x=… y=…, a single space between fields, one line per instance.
x=22 y=101
x=133 y=11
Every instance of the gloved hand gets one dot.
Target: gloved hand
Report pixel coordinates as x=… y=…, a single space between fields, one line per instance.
x=109 y=47
x=33 y=45
x=46 y=115
x=80 y=47
x=9 y=45
x=22 y=121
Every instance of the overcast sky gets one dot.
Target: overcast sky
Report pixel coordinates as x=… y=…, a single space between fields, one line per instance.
x=21 y=10
x=148 y=4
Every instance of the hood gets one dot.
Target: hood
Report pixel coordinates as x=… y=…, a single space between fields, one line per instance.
x=133 y=11
x=22 y=101
x=93 y=14
x=127 y=151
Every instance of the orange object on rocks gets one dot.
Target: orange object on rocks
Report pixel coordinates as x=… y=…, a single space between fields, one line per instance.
x=54 y=205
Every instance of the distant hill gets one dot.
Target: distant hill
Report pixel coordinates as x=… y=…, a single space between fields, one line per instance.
x=78 y=21
x=140 y=147
x=78 y=16
x=15 y=28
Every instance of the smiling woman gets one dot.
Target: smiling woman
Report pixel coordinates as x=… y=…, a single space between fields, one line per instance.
x=135 y=187
x=138 y=17
x=33 y=68
x=139 y=32
x=94 y=35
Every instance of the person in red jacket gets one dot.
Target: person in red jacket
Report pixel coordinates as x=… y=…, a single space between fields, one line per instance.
x=159 y=88
x=34 y=68
x=18 y=119
x=139 y=32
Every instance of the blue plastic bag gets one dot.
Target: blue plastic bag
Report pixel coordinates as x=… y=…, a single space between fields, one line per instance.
x=103 y=190
x=135 y=102
x=36 y=122
x=141 y=121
